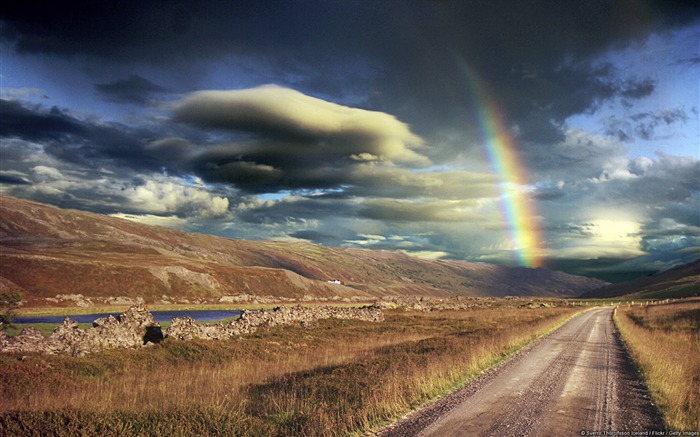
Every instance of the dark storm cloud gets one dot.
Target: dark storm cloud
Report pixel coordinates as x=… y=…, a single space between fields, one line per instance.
x=161 y=31
x=127 y=29
x=13 y=179
x=637 y=89
x=695 y=60
x=35 y=123
x=316 y=236
x=549 y=195
x=87 y=28
x=134 y=89
x=271 y=166
x=645 y=125
x=533 y=57
x=607 y=269
x=64 y=136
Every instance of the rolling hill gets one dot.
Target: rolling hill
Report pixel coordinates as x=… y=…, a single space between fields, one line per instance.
x=47 y=252
x=680 y=281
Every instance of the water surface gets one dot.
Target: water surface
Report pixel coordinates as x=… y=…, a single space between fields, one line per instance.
x=159 y=316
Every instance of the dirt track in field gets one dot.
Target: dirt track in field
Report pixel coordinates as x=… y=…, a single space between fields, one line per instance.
x=577 y=381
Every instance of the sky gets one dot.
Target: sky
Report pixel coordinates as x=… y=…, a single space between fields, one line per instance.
x=555 y=134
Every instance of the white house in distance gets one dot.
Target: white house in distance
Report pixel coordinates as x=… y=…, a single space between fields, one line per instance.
x=335 y=281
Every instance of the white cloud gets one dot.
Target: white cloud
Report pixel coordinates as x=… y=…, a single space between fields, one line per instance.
x=172 y=222
x=372 y=237
x=23 y=93
x=581 y=155
x=640 y=165
x=427 y=254
x=48 y=172
x=170 y=197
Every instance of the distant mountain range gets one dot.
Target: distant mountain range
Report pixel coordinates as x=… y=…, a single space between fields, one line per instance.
x=680 y=281
x=47 y=251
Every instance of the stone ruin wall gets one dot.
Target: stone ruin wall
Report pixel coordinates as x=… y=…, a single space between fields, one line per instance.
x=137 y=328
x=186 y=329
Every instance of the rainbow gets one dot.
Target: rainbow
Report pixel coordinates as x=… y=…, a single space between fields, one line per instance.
x=518 y=210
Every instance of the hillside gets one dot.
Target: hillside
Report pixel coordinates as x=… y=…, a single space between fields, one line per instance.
x=47 y=251
x=680 y=281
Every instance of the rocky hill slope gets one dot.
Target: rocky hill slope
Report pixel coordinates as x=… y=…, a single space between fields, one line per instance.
x=53 y=255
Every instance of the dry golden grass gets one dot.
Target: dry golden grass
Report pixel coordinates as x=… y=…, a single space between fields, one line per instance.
x=340 y=377
x=665 y=343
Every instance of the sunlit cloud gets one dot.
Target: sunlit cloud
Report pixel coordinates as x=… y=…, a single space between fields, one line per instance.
x=602 y=238
x=168 y=197
x=172 y=222
x=276 y=112
x=426 y=254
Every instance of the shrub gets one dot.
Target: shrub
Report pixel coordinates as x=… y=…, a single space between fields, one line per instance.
x=9 y=302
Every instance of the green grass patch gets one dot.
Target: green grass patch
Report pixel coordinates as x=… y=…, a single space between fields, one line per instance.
x=45 y=328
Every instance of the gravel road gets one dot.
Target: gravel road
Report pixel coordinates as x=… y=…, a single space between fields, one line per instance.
x=577 y=381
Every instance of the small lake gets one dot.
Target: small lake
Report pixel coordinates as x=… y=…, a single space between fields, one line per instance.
x=159 y=316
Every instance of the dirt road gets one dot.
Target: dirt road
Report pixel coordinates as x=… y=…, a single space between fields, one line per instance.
x=577 y=381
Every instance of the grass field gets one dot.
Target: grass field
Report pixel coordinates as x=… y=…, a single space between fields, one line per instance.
x=341 y=377
x=665 y=343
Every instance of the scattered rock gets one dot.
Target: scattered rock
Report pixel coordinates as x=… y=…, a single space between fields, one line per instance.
x=82 y=301
x=74 y=299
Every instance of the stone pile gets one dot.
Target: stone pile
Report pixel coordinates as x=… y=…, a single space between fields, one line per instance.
x=133 y=328
x=185 y=328
x=136 y=328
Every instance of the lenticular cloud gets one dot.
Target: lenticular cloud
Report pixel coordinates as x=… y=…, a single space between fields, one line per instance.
x=285 y=115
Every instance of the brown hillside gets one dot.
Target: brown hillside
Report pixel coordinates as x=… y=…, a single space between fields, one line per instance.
x=680 y=281
x=47 y=251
